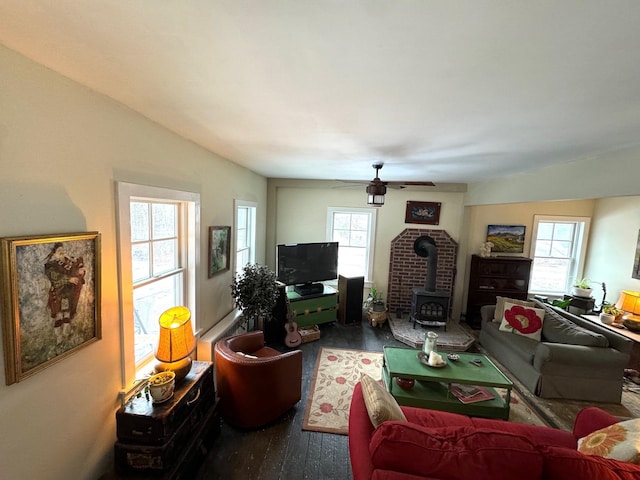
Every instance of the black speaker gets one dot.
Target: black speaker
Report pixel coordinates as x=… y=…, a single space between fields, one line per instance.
x=350 y=299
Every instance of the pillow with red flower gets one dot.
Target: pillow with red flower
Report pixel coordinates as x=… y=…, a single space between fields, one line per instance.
x=522 y=320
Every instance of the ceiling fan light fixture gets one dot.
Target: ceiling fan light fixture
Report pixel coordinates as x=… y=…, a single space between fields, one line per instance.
x=375 y=194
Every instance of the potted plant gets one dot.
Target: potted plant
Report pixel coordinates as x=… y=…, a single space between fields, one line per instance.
x=374 y=301
x=581 y=288
x=255 y=292
x=610 y=314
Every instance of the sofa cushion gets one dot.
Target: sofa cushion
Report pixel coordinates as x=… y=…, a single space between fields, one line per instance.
x=620 y=441
x=381 y=406
x=454 y=453
x=558 y=329
x=522 y=320
x=562 y=463
x=500 y=301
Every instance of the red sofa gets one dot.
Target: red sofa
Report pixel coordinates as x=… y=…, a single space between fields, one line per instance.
x=438 y=445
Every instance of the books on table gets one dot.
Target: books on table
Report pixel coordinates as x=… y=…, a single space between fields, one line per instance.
x=470 y=393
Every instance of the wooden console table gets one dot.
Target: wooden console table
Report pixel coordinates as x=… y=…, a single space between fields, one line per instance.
x=634 y=360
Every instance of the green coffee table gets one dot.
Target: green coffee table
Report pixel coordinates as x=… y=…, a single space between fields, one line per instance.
x=432 y=386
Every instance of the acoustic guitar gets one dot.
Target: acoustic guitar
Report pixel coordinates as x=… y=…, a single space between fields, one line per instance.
x=293 y=338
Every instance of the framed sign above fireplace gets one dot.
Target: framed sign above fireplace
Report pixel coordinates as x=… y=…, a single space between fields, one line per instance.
x=427 y=213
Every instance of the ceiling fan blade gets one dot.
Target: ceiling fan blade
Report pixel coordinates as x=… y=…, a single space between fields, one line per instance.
x=413 y=184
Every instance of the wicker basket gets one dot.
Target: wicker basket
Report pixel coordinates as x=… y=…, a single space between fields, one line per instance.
x=309 y=334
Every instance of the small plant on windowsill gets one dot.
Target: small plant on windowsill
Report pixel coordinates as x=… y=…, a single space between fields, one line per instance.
x=581 y=288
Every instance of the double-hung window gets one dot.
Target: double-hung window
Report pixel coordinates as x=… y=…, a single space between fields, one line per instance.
x=158 y=240
x=558 y=250
x=245 y=234
x=354 y=230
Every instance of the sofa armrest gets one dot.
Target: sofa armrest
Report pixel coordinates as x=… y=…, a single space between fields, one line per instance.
x=487 y=313
x=590 y=419
x=578 y=355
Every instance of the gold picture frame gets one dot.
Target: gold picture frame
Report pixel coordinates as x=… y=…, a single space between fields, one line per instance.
x=219 y=249
x=50 y=299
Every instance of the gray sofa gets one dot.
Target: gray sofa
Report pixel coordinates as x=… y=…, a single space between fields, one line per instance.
x=575 y=359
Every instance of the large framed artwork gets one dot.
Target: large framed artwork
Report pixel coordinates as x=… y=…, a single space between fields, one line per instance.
x=50 y=299
x=506 y=238
x=427 y=213
x=219 y=249
x=636 y=260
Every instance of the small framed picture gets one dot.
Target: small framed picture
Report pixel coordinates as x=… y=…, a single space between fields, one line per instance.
x=219 y=249
x=50 y=299
x=427 y=213
x=506 y=238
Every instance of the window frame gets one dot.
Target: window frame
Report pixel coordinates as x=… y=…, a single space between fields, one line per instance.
x=251 y=227
x=579 y=251
x=190 y=235
x=371 y=234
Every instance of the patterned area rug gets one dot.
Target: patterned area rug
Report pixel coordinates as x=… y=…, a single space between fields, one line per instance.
x=454 y=338
x=337 y=372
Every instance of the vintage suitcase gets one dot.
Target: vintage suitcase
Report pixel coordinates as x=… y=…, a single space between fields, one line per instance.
x=140 y=421
x=163 y=460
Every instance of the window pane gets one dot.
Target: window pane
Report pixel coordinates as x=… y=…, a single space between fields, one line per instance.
x=341 y=236
x=358 y=239
x=149 y=301
x=543 y=248
x=352 y=261
x=140 y=267
x=550 y=275
x=561 y=249
x=164 y=220
x=545 y=230
x=341 y=221
x=360 y=222
x=139 y=221
x=165 y=256
x=564 y=231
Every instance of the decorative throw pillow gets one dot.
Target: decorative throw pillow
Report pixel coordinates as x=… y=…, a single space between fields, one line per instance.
x=381 y=406
x=522 y=320
x=620 y=441
x=500 y=301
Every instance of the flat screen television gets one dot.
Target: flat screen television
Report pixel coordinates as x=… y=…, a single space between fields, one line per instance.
x=307 y=263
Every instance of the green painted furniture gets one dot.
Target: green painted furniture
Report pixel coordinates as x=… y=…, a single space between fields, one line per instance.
x=314 y=309
x=432 y=386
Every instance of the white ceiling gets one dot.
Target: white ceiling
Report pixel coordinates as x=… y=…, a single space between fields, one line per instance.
x=438 y=90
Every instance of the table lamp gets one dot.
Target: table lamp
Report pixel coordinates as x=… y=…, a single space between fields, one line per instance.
x=629 y=301
x=176 y=342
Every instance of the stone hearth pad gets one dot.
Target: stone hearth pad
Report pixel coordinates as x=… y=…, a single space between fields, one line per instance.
x=454 y=338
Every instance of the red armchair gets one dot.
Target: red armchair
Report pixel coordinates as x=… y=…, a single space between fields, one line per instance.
x=256 y=384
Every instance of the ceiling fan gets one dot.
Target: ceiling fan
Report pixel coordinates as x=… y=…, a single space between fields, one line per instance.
x=377 y=188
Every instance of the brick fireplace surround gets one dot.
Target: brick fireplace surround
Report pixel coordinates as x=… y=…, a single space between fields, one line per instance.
x=408 y=270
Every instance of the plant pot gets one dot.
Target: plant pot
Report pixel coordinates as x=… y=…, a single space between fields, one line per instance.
x=581 y=292
x=378 y=307
x=607 y=318
x=161 y=386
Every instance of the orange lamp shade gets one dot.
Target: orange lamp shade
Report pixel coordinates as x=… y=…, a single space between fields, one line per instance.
x=629 y=301
x=176 y=339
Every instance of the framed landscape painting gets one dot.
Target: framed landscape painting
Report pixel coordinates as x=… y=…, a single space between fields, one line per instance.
x=50 y=299
x=506 y=238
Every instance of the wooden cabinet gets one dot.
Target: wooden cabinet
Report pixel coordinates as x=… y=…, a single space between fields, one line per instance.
x=314 y=309
x=495 y=276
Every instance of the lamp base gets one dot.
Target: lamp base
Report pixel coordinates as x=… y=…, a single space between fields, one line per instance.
x=181 y=368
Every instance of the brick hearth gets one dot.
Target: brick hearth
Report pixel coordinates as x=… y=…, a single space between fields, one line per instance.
x=408 y=270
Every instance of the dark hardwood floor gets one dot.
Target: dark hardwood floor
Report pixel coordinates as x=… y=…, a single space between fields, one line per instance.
x=283 y=450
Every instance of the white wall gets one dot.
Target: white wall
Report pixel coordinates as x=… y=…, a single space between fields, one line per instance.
x=612 y=247
x=62 y=147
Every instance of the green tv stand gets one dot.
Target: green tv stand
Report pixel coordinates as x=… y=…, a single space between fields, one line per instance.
x=314 y=309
